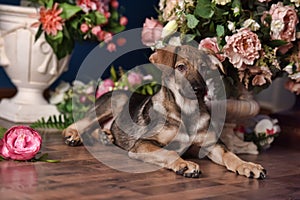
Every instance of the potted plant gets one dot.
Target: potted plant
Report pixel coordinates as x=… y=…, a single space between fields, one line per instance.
x=36 y=43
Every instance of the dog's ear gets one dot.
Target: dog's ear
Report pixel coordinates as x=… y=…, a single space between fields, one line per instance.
x=164 y=58
x=216 y=63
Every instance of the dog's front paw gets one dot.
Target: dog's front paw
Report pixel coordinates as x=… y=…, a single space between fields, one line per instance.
x=251 y=170
x=187 y=169
x=71 y=137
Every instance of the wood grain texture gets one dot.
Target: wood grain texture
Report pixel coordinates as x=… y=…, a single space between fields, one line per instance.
x=80 y=176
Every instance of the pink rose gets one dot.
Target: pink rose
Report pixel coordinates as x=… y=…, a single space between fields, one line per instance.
x=84 y=28
x=96 y=30
x=111 y=47
x=114 y=4
x=20 y=143
x=123 y=21
x=134 y=78
x=105 y=86
x=284 y=21
x=151 y=32
x=242 y=48
x=211 y=44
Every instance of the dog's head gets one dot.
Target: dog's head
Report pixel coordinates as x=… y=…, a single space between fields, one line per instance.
x=184 y=68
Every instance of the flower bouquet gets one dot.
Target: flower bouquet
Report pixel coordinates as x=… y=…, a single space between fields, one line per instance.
x=256 y=40
x=73 y=101
x=65 y=21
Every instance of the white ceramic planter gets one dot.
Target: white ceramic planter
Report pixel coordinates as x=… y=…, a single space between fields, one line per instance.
x=31 y=65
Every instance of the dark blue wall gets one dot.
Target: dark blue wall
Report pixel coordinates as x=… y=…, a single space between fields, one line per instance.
x=135 y=10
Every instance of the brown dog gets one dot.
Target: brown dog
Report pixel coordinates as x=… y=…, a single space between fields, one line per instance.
x=157 y=129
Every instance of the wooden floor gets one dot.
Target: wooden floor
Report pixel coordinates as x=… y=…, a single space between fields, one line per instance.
x=79 y=175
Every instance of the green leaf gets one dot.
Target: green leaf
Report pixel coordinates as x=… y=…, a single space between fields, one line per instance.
x=149 y=89
x=44 y=158
x=113 y=74
x=204 y=9
x=277 y=43
x=192 y=21
x=99 y=18
x=69 y=10
x=220 y=30
x=2 y=131
x=49 y=4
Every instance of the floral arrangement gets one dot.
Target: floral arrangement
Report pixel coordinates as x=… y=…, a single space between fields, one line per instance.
x=256 y=40
x=65 y=21
x=21 y=143
x=261 y=130
x=73 y=101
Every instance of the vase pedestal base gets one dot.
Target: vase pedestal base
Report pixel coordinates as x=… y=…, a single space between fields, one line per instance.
x=25 y=113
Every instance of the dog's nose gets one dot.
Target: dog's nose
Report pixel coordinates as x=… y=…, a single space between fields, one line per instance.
x=199 y=90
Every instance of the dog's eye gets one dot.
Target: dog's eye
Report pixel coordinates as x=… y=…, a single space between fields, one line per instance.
x=181 y=67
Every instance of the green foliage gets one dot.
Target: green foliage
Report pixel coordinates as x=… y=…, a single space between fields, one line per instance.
x=54 y=122
x=204 y=9
x=69 y=10
x=2 y=131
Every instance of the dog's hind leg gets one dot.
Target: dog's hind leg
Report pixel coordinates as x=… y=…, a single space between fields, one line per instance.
x=149 y=152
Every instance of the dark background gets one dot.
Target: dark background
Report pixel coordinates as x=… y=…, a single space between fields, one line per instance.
x=135 y=10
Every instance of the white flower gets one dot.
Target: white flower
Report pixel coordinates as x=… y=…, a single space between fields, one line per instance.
x=56 y=98
x=62 y=87
x=276 y=27
x=295 y=76
x=221 y=2
x=231 y=26
x=175 y=41
x=289 y=69
x=169 y=29
x=267 y=126
x=236 y=11
x=148 y=77
x=297 y=2
x=252 y=24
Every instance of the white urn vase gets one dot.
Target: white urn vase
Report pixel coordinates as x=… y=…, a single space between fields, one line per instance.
x=31 y=65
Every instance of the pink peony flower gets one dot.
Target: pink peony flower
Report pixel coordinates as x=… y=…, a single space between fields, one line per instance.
x=151 y=32
x=242 y=48
x=211 y=44
x=134 y=78
x=105 y=86
x=50 y=19
x=284 y=21
x=20 y=143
